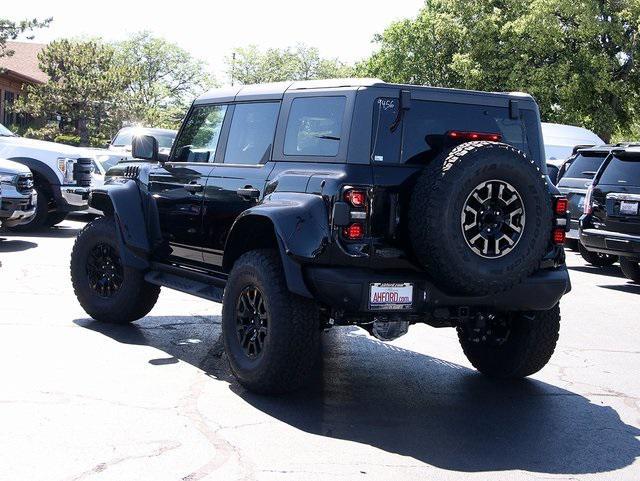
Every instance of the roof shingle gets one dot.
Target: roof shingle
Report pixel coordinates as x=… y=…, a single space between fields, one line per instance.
x=24 y=61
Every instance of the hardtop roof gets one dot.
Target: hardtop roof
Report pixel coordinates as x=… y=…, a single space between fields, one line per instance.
x=270 y=91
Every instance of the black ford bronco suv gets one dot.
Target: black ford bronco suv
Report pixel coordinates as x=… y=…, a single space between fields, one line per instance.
x=304 y=205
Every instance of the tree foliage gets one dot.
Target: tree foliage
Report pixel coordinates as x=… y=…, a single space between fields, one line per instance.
x=10 y=30
x=163 y=79
x=578 y=59
x=96 y=87
x=250 y=65
x=85 y=87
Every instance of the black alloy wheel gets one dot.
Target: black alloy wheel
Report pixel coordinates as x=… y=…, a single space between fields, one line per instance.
x=104 y=270
x=252 y=321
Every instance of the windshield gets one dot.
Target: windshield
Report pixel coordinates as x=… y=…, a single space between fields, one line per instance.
x=124 y=138
x=585 y=166
x=5 y=132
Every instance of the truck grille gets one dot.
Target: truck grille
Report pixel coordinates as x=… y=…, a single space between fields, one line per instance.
x=24 y=184
x=82 y=171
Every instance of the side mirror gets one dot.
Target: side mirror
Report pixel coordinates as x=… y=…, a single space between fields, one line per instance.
x=145 y=147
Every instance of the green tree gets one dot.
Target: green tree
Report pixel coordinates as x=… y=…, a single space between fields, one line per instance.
x=163 y=79
x=250 y=65
x=10 y=30
x=578 y=59
x=86 y=88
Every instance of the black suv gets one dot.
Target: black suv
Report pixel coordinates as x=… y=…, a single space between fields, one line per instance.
x=611 y=220
x=576 y=175
x=304 y=205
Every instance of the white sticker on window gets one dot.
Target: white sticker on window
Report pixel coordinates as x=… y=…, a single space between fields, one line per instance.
x=378 y=158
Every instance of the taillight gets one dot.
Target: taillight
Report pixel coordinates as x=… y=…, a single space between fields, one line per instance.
x=588 y=207
x=357 y=198
x=469 y=136
x=559 y=235
x=354 y=231
x=562 y=206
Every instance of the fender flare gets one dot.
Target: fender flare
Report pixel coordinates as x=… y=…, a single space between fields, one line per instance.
x=301 y=225
x=128 y=204
x=39 y=167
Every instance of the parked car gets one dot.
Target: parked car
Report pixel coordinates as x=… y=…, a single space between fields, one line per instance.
x=577 y=174
x=611 y=220
x=61 y=174
x=304 y=205
x=18 y=199
x=561 y=139
x=121 y=143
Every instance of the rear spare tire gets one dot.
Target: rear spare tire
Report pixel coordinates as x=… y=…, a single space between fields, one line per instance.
x=481 y=218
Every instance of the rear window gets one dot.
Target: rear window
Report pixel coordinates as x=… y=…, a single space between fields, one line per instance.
x=622 y=172
x=425 y=129
x=315 y=126
x=585 y=166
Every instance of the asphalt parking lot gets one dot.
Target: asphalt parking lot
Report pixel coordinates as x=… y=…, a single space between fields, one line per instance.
x=81 y=400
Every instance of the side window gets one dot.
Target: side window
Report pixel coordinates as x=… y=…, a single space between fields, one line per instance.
x=315 y=126
x=387 y=131
x=253 y=127
x=198 y=140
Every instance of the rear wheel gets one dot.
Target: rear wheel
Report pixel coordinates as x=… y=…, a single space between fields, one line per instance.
x=597 y=259
x=271 y=336
x=106 y=289
x=511 y=345
x=481 y=218
x=631 y=269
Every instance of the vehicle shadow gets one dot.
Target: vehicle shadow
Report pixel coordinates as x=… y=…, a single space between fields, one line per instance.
x=7 y=245
x=630 y=288
x=414 y=405
x=612 y=271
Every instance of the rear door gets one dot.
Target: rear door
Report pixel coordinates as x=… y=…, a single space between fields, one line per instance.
x=239 y=178
x=578 y=178
x=178 y=185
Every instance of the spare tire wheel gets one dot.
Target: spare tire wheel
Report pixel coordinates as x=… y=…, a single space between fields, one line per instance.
x=480 y=218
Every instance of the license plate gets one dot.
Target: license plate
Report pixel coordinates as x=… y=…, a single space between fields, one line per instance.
x=390 y=296
x=629 y=208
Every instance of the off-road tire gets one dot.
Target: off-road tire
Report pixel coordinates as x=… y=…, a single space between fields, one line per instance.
x=595 y=258
x=291 y=347
x=437 y=204
x=630 y=269
x=54 y=218
x=527 y=349
x=134 y=299
x=39 y=220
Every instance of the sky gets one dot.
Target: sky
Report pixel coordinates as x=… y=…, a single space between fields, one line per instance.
x=209 y=30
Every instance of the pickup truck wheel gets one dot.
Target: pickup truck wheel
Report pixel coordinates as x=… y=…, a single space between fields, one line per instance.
x=271 y=336
x=106 y=289
x=39 y=219
x=630 y=269
x=597 y=259
x=512 y=345
x=480 y=218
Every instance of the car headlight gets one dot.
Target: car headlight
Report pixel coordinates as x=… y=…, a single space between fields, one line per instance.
x=65 y=165
x=8 y=179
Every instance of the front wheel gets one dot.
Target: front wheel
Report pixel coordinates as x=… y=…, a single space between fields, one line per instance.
x=106 y=289
x=597 y=259
x=630 y=269
x=511 y=345
x=271 y=336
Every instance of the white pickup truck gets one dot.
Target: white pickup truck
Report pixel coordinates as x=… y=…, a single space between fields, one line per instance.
x=61 y=174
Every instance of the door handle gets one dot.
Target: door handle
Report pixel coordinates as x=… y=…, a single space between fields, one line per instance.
x=248 y=193
x=194 y=188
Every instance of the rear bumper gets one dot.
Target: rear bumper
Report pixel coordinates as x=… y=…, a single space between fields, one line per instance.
x=348 y=289
x=574 y=230
x=607 y=242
